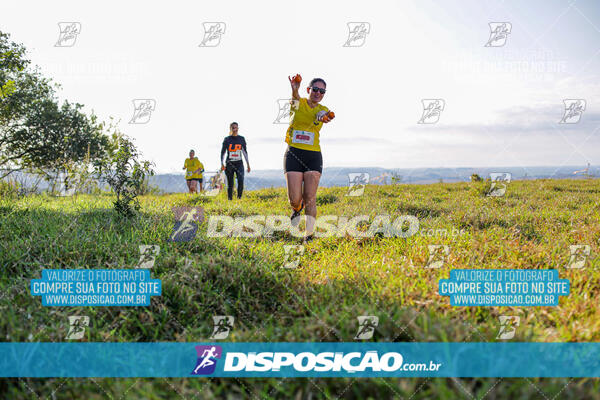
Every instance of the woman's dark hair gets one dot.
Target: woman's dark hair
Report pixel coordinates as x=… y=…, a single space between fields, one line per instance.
x=317 y=80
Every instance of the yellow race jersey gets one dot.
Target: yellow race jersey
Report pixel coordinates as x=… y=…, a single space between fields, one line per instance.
x=191 y=165
x=303 y=133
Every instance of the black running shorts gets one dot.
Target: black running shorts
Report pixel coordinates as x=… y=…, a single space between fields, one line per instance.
x=300 y=160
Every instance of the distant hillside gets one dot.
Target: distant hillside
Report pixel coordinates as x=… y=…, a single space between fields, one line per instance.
x=338 y=176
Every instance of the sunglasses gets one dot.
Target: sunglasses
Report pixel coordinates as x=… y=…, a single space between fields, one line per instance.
x=316 y=89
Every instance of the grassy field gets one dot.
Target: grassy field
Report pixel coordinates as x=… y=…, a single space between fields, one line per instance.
x=532 y=226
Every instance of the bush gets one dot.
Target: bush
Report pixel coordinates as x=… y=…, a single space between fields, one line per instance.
x=482 y=187
x=9 y=188
x=476 y=178
x=126 y=175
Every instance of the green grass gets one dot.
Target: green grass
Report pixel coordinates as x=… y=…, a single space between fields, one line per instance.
x=532 y=226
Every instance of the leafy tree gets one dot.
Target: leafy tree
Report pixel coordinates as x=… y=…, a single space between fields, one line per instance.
x=37 y=133
x=11 y=60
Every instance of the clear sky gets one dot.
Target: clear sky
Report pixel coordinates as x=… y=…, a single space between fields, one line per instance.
x=502 y=103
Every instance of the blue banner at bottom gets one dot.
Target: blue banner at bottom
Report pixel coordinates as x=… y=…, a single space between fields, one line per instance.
x=304 y=359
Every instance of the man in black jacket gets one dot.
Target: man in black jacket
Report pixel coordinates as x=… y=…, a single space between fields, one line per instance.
x=235 y=146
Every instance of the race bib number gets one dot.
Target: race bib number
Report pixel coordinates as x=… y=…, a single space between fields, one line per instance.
x=189 y=173
x=303 y=137
x=235 y=155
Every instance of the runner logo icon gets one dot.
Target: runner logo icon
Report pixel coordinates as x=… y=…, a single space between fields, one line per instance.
x=212 y=34
x=77 y=327
x=499 y=32
x=574 y=109
x=142 y=110
x=207 y=359
x=366 y=326
x=508 y=326
x=68 y=34
x=187 y=223
x=286 y=110
x=357 y=33
x=579 y=255
x=357 y=183
x=222 y=325
x=432 y=109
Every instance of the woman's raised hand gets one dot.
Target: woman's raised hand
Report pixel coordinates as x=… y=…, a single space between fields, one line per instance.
x=295 y=81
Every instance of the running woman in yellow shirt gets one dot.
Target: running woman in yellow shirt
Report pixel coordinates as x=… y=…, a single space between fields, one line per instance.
x=194 y=170
x=302 y=161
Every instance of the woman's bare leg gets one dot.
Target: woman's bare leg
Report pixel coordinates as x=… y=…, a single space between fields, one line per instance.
x=311 y=183
x=294 y=188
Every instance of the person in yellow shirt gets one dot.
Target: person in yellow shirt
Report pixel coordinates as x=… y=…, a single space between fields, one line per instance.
x=302 y=161
x=194 y=169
